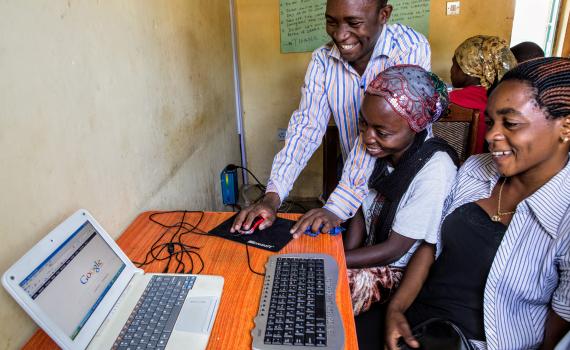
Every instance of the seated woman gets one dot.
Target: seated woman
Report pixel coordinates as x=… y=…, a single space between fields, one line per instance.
x=478 y=63
x=411 y=178
x=502 y=274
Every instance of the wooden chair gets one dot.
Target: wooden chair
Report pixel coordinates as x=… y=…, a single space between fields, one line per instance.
x=459 y=128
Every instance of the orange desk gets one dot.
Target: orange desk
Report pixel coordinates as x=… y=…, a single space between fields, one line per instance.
x=242 y=288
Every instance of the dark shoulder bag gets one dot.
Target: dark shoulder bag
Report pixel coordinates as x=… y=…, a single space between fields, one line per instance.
x=438 y=334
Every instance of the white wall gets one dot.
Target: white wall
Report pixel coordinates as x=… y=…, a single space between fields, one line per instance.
x=114 y=106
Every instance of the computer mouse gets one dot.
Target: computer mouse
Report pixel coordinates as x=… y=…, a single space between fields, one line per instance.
x=256 y=222
x=333 y=231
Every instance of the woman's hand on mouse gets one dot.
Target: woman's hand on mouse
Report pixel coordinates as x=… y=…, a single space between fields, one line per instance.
x=266 y=208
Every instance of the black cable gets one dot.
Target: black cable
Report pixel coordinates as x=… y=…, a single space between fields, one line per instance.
x=263 y=188
x=170 y=249
x=295 y=204
x=175 y=247
x=181 y=267
x=233 y=166
x=189 y=259
x=249 y=262
x=199 y=258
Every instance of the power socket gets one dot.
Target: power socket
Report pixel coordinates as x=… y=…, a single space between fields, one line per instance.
x=453 y=8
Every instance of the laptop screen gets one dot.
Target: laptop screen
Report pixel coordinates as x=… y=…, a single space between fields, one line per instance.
x=73 y=280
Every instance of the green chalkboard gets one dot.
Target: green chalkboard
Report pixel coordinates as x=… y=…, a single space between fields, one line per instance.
x=413 y=13
x=302 y=22
x=302 y=25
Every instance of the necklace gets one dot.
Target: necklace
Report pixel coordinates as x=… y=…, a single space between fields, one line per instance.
x=497 y=217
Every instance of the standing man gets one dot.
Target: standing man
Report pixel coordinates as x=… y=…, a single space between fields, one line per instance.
x=339 y=72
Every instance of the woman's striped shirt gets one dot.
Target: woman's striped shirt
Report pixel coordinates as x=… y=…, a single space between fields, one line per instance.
x=531 y=271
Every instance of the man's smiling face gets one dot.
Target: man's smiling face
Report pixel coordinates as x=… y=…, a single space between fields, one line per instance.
x=354 y=26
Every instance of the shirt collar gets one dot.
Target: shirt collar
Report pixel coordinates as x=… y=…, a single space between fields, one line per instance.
x=549 y=204
x=381 y=48
x=486 y=171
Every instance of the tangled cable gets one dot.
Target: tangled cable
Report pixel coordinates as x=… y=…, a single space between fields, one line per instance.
x=175 y=249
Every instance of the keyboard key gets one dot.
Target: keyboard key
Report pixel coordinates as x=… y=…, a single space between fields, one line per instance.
x=309 y=339
x=268 y=340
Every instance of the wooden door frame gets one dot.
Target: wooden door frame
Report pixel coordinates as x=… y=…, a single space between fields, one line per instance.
x=562 y=39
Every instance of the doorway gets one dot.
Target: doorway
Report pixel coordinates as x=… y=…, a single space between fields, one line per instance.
x=536 y=21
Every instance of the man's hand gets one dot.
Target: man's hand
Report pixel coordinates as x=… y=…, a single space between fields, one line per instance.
x=267 y=209
x=315 y=218
x=396 y=327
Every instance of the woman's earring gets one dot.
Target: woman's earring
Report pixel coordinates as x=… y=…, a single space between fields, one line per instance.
x=564 y=139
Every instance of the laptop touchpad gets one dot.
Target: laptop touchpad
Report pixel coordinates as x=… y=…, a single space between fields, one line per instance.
x=197 y=315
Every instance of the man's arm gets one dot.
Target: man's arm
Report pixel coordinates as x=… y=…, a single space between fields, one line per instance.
x=347 y=197
x=353 y=185
x=304 y=134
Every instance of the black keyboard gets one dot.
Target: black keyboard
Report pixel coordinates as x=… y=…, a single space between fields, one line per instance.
x=150 y=324
x=298 y=304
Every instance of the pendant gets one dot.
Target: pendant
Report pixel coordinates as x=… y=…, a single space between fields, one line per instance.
x=496 y=218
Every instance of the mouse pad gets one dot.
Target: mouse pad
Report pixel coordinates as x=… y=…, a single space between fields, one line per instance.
x=273 y=238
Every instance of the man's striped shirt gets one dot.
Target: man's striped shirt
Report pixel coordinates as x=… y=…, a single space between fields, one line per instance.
x=334 y=87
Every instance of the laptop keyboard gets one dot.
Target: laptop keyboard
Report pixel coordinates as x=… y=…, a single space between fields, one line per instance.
x=297 y=306
x=150 y=324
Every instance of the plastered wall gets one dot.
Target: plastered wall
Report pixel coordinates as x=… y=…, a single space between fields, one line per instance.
x=114 y=106
x=487 y=17
x=271 y=81
x=271 y=90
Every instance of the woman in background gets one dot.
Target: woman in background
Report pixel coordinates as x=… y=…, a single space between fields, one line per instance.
x=478 y=63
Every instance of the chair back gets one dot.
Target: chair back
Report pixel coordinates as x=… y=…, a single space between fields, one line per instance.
x=459 y=128
x=331 y=159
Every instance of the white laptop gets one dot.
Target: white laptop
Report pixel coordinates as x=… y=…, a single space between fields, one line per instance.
x=81 y=289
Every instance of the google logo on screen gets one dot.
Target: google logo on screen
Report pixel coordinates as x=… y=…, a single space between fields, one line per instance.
x=96 y=268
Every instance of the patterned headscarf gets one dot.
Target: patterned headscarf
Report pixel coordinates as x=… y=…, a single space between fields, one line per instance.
x=485 y=57
x=415 y=94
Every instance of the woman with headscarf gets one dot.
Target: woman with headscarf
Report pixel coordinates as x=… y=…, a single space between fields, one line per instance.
x=411 y=178
x=477 y=64
x=502 y=272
